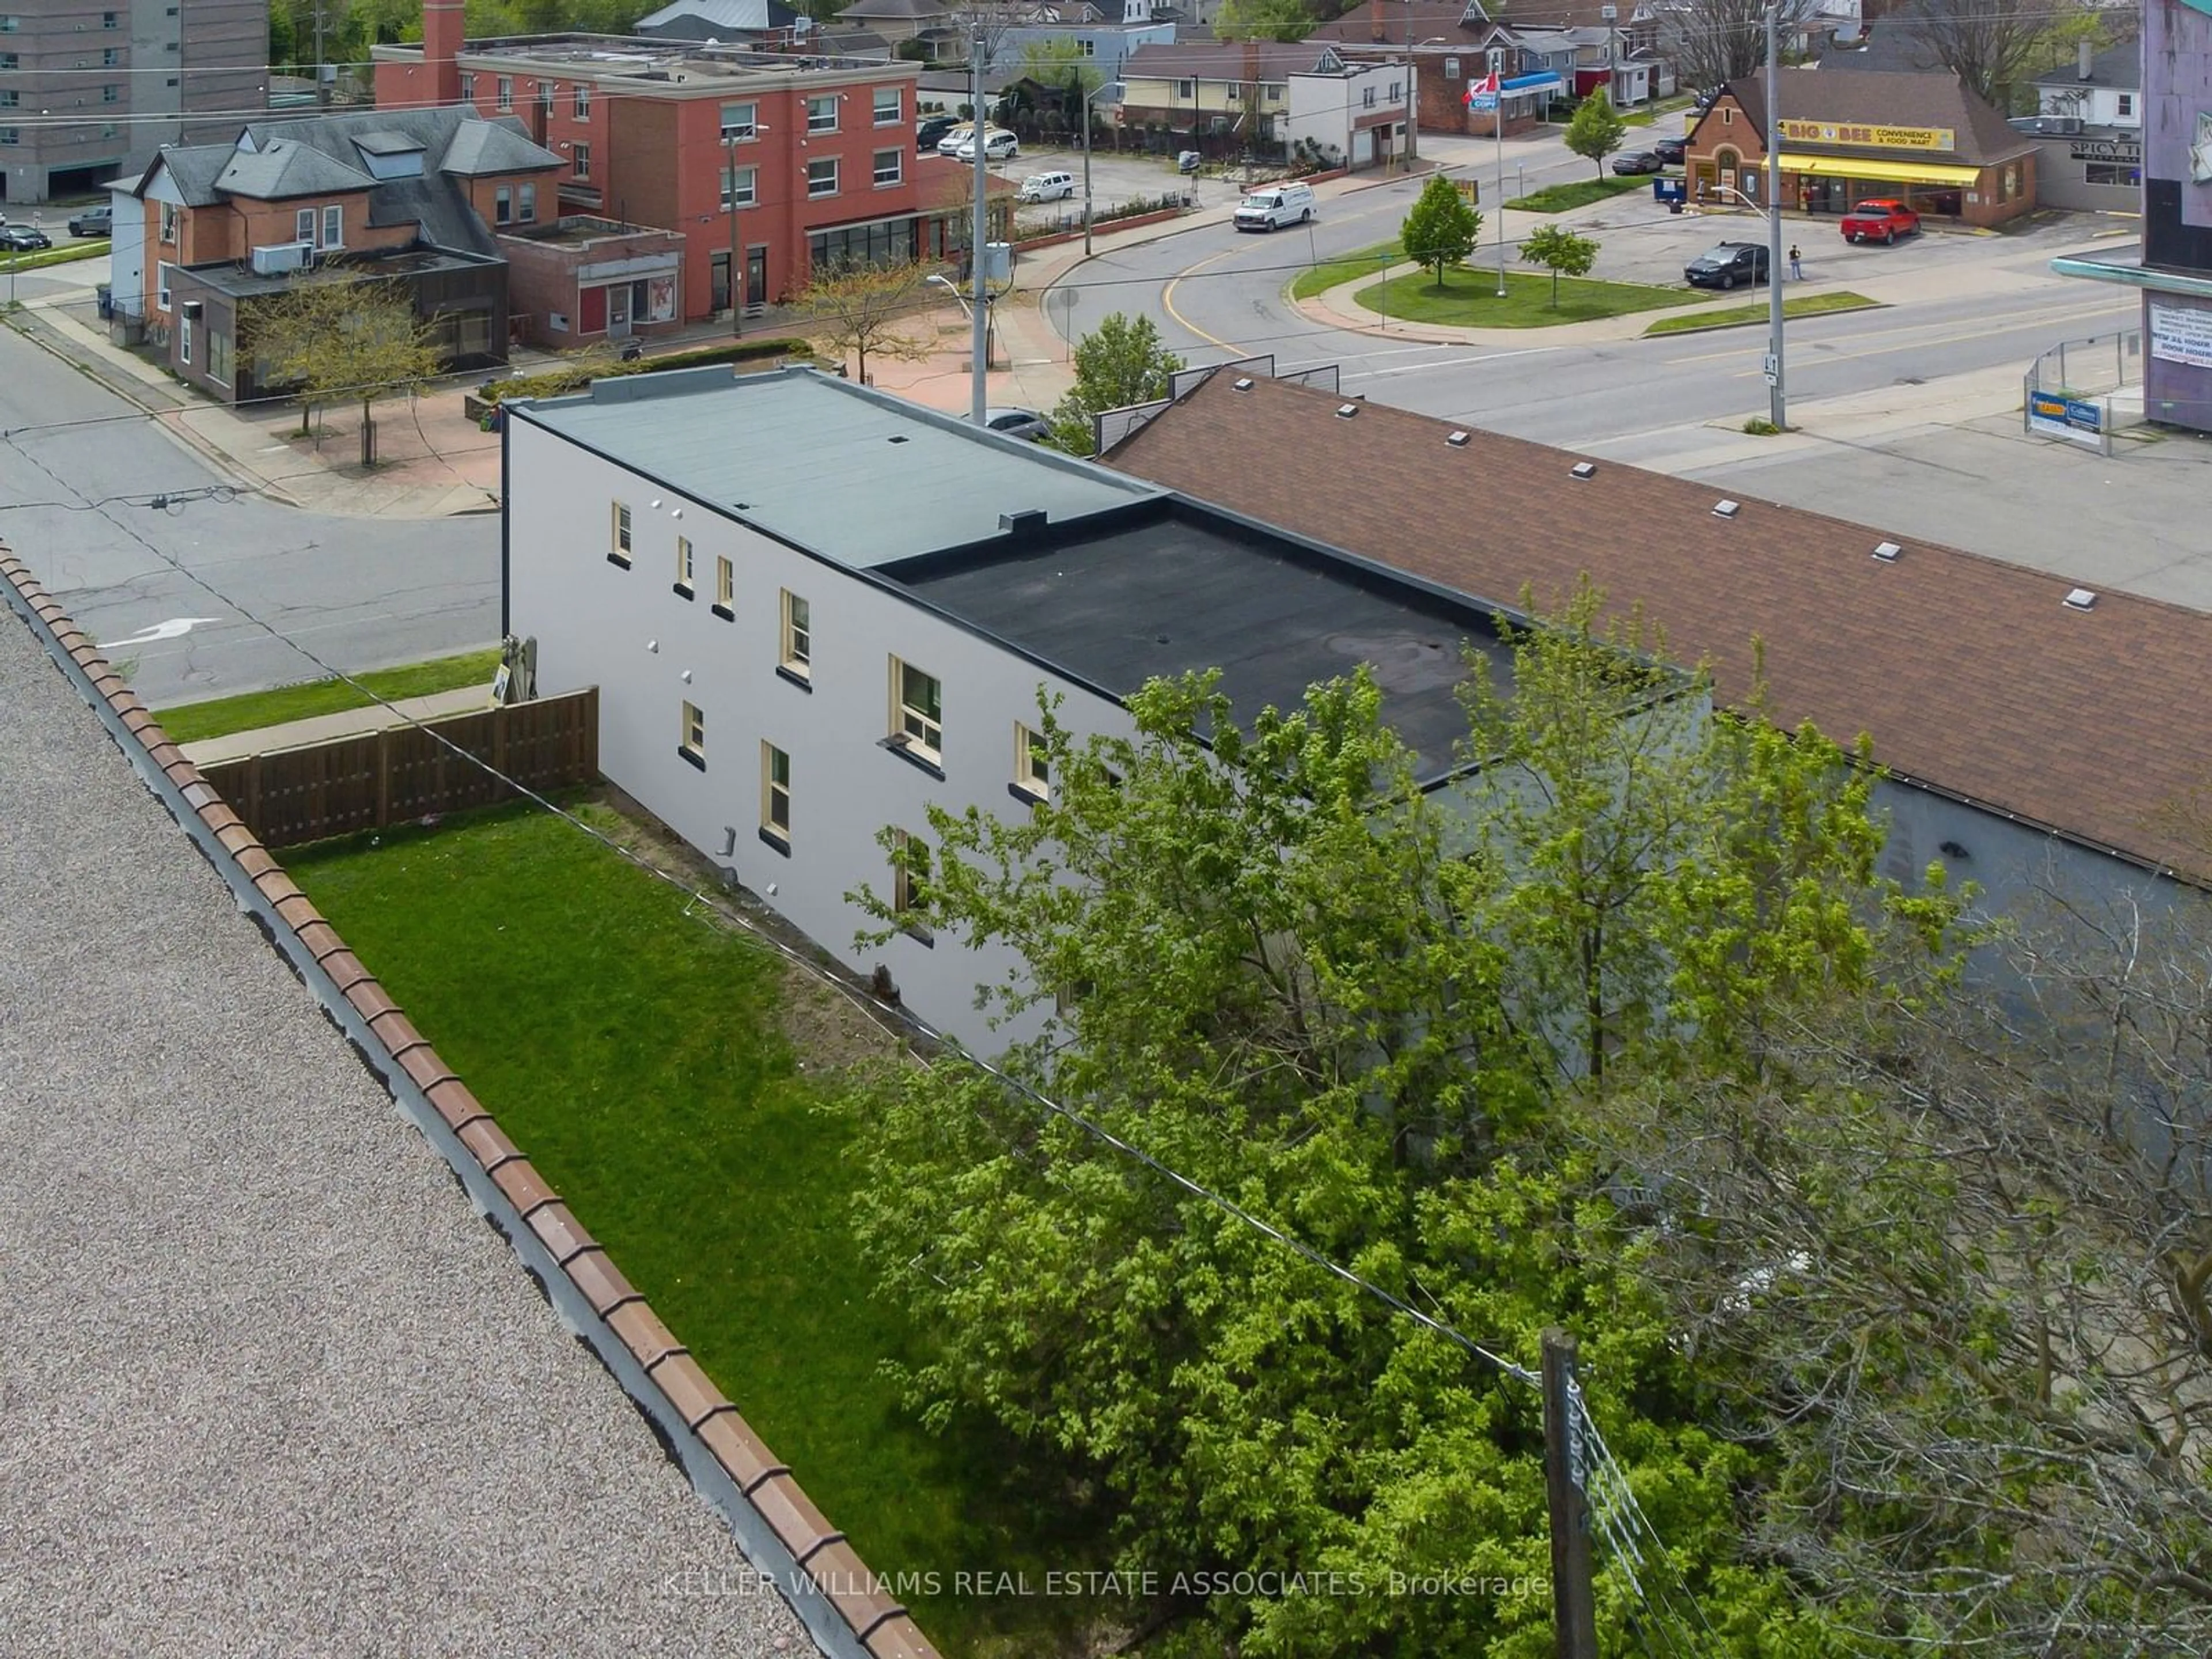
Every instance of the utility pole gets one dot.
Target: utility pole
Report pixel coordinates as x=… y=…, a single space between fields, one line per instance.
x=1497 y=130
x=1087 y=94
x=322 y=86
x=736 y=276
x=1778 y=399
x=1574 y=1607
x=979 y=241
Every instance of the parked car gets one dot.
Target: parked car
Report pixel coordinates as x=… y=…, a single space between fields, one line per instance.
x=927 y=135
x=1879 y=219
x=1671 y=150
x=94 y=222
x=1631 y=163
x=1276 y=206
x=999 y=145
x=1018 y=423
x=953 y=137
x=1726 y=265
x=1047 y=187
x=23 y=238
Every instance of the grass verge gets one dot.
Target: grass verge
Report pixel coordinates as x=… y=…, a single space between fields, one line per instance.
x=1469 y=298
x=1350 y=268
x=1581 y=192
x=194 y=722
x=53 y=256
x=632 y=1044
x=1805 y=305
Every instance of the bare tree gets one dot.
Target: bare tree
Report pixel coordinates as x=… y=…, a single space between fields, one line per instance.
x=1715 y=41
x=1993 y=45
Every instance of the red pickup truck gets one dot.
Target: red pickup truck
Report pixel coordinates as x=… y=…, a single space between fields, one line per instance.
x=1878 y=220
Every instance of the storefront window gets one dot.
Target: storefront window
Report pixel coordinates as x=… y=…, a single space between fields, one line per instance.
x=888 y=241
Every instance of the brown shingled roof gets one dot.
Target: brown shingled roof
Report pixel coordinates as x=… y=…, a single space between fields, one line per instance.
x=1981 y=134
x=1972 y=676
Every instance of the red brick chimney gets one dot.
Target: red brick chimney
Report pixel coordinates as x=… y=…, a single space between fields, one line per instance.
x=443 y=32
x=1375 y=21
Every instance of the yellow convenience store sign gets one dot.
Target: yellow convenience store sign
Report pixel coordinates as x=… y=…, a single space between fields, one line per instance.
x=1878 y=137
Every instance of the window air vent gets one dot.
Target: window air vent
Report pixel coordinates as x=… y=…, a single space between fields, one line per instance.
x=1887 y=551
x=2080 y=599
x=1346 y=412
x=1244 y=384
x=1727 y=509
x=1583 y=470
x=1457 y=440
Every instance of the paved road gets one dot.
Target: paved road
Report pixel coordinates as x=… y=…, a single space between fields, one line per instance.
x=359 y=592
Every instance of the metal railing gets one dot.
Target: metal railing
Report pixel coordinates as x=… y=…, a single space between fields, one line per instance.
x=2081 y=390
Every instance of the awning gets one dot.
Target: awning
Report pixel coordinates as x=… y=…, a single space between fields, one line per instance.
x=1888 y=173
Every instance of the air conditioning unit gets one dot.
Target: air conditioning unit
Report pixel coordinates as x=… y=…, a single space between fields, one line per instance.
x=281 y=257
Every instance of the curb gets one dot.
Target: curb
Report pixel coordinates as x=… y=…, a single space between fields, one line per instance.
x=1760 y=322
x=840 y=1602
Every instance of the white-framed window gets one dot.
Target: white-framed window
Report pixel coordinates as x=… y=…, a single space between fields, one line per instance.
x=334 y=226
x=172 y=216
x=2127 y=104
x=1397 y=91
x=581 y=163
x=775 y=792
x=303 y=226
x=725 y=584
x=909 y=875
x=822 y=112
x=1087 y=48
x=692 y=740
x=161 y=285
x=503 y=205
x=185 y=338
x=821 y=176
x=111 y=95
x=583 y=105
x=917 y=712
x=109 y=19
x=1367 y=98
x=1185 y=90
x=506 y=92
x=526 y=211
x=890 y=106
x=1032 y=769
x=740 y=187
x=739 y=121
x=1451 y=69
x=684 y=564
x=795 y=651
x=890 y=167
x=1276 y=91
x=468 y=88
x=1236 y=93
x=618 y=542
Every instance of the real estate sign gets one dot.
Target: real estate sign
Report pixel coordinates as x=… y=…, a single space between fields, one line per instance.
x=2181 y=334
x=2055 y=415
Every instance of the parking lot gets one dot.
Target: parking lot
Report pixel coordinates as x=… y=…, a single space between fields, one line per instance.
x=1114 y=179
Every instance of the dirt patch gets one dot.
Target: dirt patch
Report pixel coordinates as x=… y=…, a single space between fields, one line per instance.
x=829 y=1016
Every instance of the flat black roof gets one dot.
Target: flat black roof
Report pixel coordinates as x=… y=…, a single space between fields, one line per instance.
x=1170 y=586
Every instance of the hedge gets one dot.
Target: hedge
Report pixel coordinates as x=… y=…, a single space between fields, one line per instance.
x=582 y=371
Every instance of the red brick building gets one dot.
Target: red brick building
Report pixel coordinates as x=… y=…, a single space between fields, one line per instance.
x=787 y=161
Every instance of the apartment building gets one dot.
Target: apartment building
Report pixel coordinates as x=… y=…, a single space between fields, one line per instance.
x=783 y=162
x=89 y=89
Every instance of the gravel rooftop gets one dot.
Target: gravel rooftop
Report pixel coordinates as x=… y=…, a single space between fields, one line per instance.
x=268 y=1384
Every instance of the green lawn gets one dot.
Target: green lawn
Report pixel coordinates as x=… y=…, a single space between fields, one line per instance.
x=1805 y=305
x=219 y=717
x=634 y=1052
x=1581 y=192
x=64 y=254
x=1469 y=298
x=1350 y=268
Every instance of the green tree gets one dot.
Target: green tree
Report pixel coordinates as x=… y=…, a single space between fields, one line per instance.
x=1265 y=19
x=333 y=334
x=1441 y=228
x=862 y=308
x=1559 y=249
x=1120 y=362
x=1595 y=129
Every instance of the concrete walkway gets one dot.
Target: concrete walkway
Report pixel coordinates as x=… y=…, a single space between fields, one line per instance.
x=348 y=723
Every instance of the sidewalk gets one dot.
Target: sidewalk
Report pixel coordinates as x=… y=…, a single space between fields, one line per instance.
x=351 y=723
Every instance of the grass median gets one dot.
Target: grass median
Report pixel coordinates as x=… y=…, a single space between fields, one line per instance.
x=1581 y=192
x=250 y=711
x=1804 y=305
x=68 y=253
x=660 y=1069
x=1348 y=269
x=1468 y=299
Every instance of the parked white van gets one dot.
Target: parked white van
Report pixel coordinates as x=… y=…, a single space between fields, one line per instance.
x=1274 y=206
x=1047 y=187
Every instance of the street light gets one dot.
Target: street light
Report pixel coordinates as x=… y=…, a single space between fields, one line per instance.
x=1777 y=409
x=1105 y=87
x=1497 y=130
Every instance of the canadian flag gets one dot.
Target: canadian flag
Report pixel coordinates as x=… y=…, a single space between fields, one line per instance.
x=1482 y=87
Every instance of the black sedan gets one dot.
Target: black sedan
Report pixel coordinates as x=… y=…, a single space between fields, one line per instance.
x=23 y=238
x=1671 y=150
x=1638 y=160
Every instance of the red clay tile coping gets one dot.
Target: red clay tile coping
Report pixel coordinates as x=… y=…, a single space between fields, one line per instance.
x=880 y=1625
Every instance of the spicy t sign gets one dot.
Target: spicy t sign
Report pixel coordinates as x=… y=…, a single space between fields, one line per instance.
x=1876 y=137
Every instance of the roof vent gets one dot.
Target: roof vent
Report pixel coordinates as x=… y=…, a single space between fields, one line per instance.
x=1584 y=470
x=1244 y=384
x=896 y=438
x=1886 y=551
x=1028 y=522
x=2080 y=599
x=1457 y=440
x=1727 y=509
x=1346 y=412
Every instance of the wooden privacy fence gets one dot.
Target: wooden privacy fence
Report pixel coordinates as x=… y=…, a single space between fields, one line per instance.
x=295 y=795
